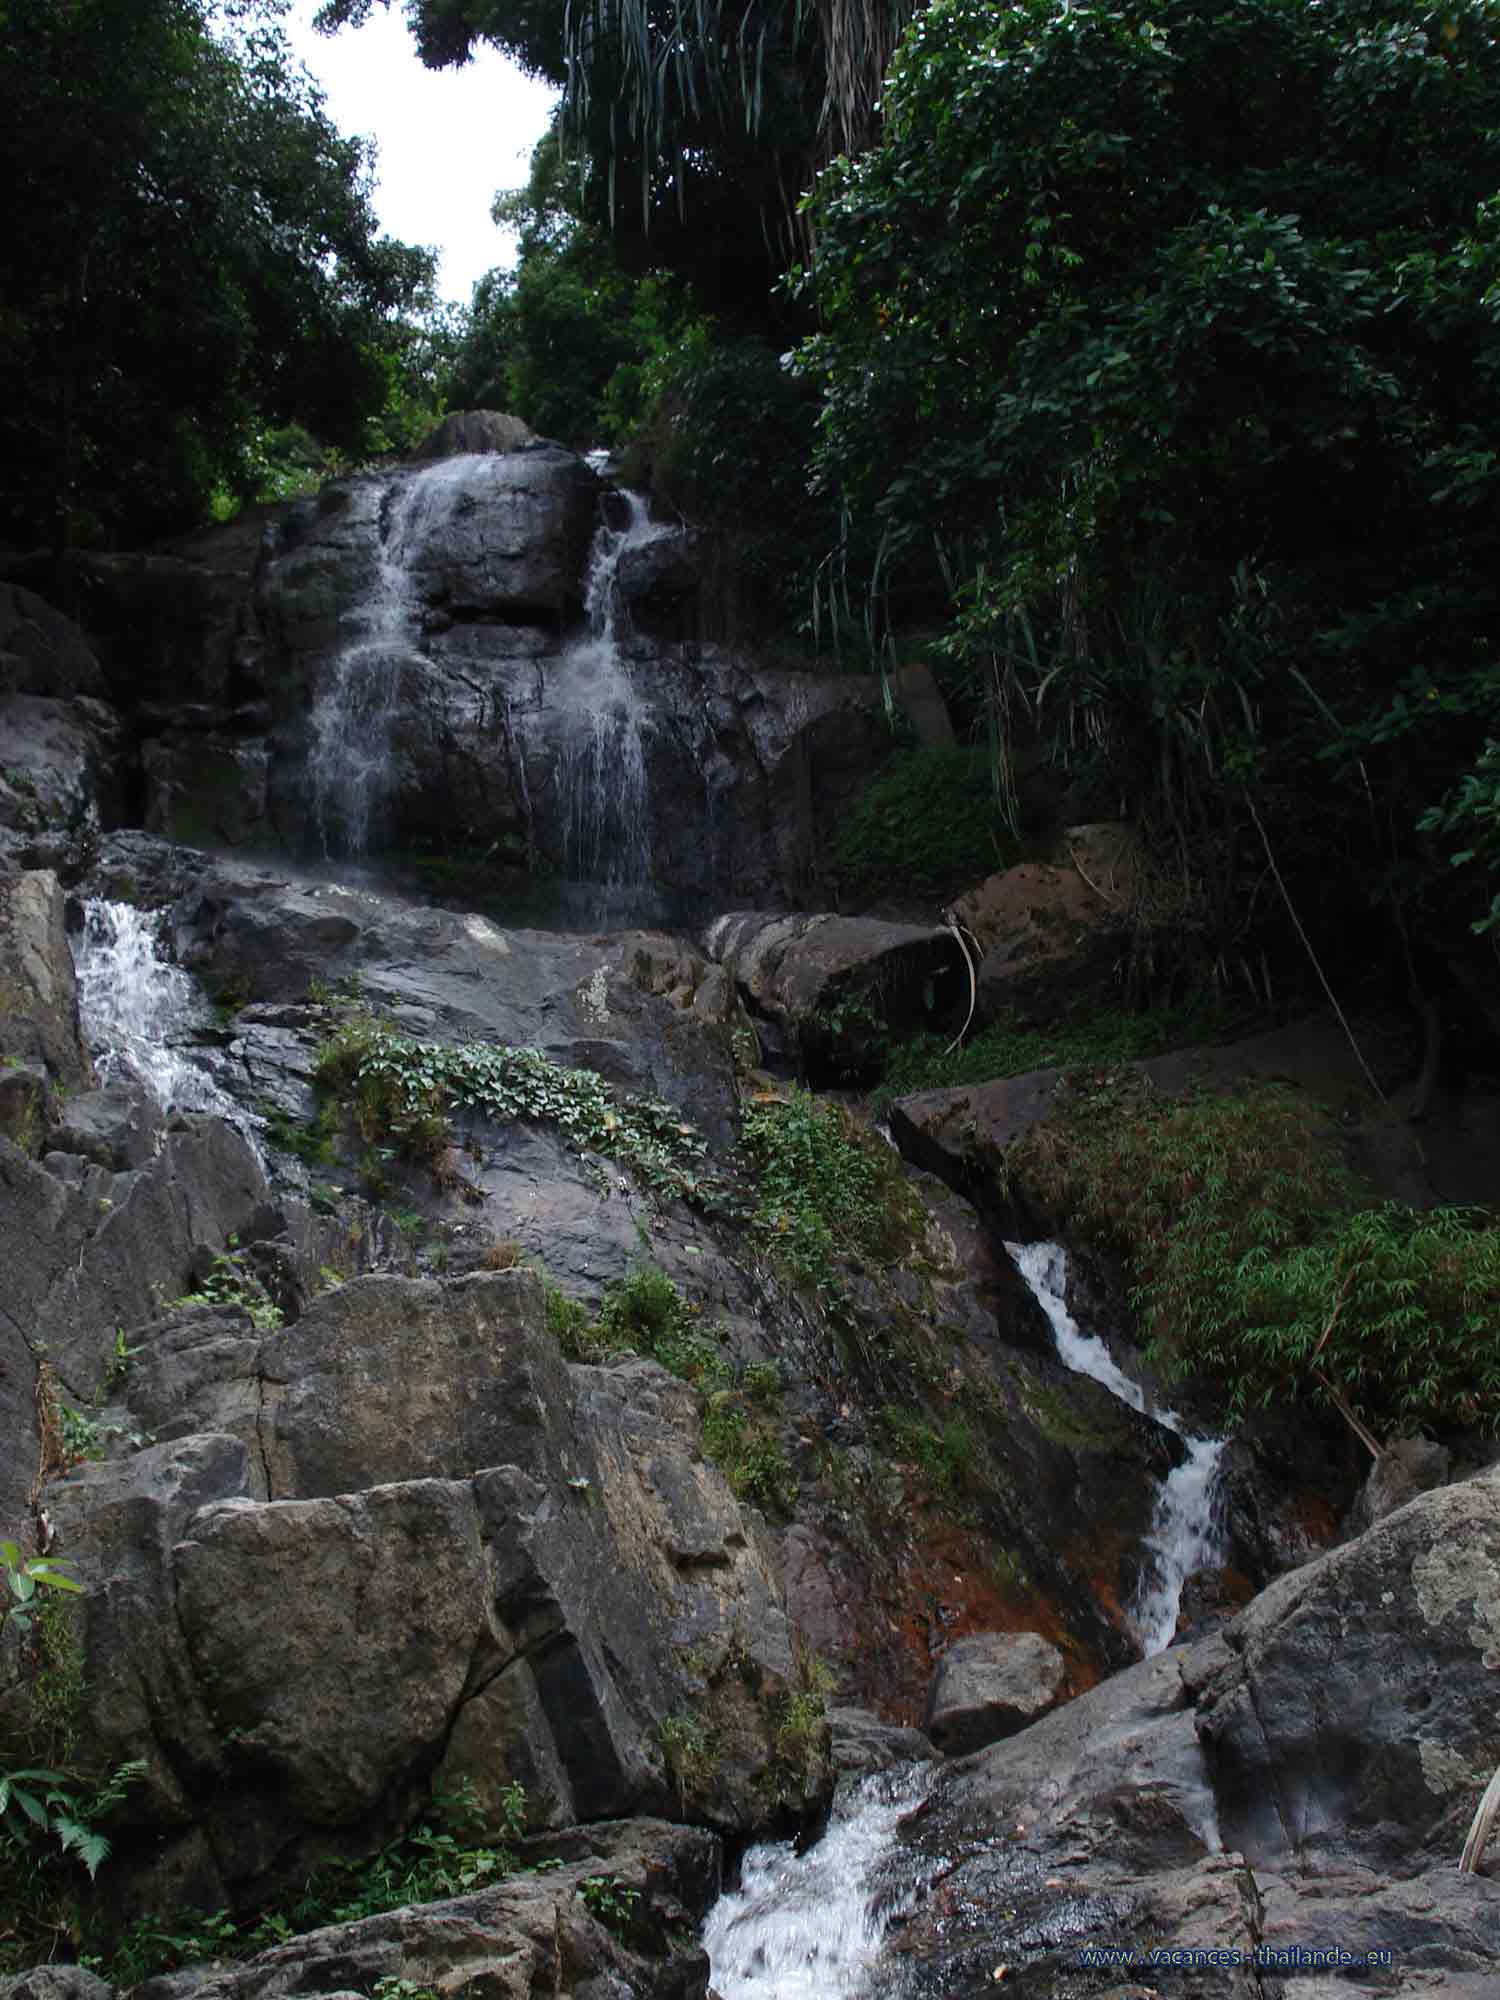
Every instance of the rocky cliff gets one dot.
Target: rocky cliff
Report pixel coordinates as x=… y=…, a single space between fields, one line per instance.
x=471 y=1370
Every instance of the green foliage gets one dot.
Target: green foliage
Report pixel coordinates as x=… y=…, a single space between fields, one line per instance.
x=745 y=1443
x=315 y=1144
x=1471 y=812
x=690 y=1750
x=565 y=339
x=24 y=1577
x=926 y=825
x=942 y=1454
x=231 y=1282
x=827 y=1188
x=401 y=1089
x=691 y=131
x=1013 y=1046
x=444 y=1855
x=1247 y=1244
x=614 y=1903
x=1143 y=323
x=1409 y=1301
x=724 y=440
x=194 y=263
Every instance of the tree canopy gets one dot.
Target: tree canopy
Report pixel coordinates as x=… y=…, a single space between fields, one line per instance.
x=190 y=255
x=693 y=126
x=1170 y=331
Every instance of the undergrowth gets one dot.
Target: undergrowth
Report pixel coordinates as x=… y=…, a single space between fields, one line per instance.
x=925 y=825
x=827 y=1187
x=1256 y=1260
x=449 y=1854
x=1012 y=1046
x=402 y=1092
x=229 y=1281
x=645 y=1313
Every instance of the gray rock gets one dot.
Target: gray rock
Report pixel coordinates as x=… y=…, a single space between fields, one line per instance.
x=61 y=778
x=863 y=1742
x=87 y=1251
x=119 y=1127
x=531 y=1935
x=1405 y=1468
x=41 y=651
x=1357 y=1713
x=989 y=1685
x=208 y=787
x=464 y=431
x=25 y=1098
x=472 y=1557
x=38 y=995
x=55 y=1982
x=839 y=982
x=389 y=1378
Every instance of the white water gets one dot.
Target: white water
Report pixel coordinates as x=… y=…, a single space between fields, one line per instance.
x=1187 y=1530
x=140 y=1013
x=607 y=838
x=810 y=1926
x=354 y=717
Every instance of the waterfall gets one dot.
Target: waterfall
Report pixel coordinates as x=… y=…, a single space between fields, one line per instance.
x=602 y=774
x=354 y=716
x=1187 y=1531
x=811 y=1926
x=140 y=1014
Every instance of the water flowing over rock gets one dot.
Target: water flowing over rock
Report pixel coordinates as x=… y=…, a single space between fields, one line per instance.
x=810 y=1926
x=602 y=766
x=139 y=1012
x=1187 y=1531
x=534 y=727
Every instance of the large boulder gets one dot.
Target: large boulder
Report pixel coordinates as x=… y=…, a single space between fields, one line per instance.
x=420 y=1539
x=88 y=1251
x=1355 y=1711
x=990 y=1685
x=838 y=984
x=38 y=993
x=533 y=1934
x=465 y=431
x=41 y=651
x=61 y=778
x=1299 y=1783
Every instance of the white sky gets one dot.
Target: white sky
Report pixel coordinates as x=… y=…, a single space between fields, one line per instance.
x=448 y=139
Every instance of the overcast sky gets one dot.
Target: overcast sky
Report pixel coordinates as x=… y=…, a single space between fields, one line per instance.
x=448 y=139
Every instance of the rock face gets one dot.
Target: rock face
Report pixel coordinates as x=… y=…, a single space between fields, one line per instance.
x=1302 y=1781
x=38 y=996
x=400 y=1533
x=989 y=1686
x=1356 y=1712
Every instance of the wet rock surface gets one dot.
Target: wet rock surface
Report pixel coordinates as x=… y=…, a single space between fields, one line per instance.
x=360 y=1527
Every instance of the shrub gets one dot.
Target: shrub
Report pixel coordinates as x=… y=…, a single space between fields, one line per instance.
x=1255 y=1261
x=926 y=825
x=827 y=1187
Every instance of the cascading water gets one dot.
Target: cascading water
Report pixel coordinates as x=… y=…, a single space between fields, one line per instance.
x=811 y=1926
x=354 y=716
x=140 y=1013
x=602 y=772
x=1187 y=1530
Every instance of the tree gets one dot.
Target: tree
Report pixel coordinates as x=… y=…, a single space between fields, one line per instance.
x=694 y=125
x=191 y=254
x=1172 y=327
x=564 y=339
